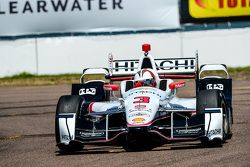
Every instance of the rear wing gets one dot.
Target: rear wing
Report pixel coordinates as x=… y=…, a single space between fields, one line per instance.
x=175 y=68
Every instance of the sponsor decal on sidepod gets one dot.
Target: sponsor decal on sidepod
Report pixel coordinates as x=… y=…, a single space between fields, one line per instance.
x=215 y=86
x=87 y=91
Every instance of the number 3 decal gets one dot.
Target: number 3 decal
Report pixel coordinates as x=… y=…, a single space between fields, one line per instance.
x=141 y=99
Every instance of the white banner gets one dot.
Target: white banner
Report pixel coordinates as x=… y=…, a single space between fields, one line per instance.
x=32 y=17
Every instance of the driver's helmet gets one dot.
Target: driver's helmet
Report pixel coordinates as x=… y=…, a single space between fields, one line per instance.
x=144 y=77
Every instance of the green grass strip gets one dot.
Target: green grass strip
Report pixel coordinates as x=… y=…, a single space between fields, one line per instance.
x=27 y=79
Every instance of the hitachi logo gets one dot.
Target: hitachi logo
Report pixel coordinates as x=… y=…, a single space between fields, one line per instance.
x=132 y=65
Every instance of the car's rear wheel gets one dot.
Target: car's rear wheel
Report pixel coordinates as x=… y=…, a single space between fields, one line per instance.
x=67 y=104
x=213 y=99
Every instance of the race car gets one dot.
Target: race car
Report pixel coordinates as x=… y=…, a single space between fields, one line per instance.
x=133 y=103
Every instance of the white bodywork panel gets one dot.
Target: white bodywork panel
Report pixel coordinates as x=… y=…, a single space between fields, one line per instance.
x=144 y=113
x=214 y=123
x=103 y=106
x=141 y=105
x=66 y=126
x=141 y=90
x=188 y=103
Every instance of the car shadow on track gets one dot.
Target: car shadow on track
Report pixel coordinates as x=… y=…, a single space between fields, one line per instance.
x=93 y=150
x=118 y=149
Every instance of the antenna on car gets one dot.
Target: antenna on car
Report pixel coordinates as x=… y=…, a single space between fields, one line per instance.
x=197 y=63
x=146 y=48
x=110 y=59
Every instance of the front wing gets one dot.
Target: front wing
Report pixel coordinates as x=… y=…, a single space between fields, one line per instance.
x=172 y=125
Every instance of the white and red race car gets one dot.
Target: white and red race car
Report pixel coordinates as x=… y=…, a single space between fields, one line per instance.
x=147 y=113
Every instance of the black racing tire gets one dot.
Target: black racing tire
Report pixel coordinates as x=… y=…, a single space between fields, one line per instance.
x=230 y=120
x=207 y=99
x=67 y=104
x=213 y=99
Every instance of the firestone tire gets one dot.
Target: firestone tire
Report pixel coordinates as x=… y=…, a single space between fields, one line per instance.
x=67 y=104
x=230 y=121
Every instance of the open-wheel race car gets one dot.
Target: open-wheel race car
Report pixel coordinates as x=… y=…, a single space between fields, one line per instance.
x=143 y=110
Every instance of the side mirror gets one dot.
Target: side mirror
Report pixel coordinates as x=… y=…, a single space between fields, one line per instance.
x=175 y=85
x=112 y=87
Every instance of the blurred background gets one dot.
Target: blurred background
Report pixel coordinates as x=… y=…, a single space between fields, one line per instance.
x=65 y=36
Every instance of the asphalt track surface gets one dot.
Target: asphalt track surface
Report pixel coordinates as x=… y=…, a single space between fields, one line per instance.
x=27 y=135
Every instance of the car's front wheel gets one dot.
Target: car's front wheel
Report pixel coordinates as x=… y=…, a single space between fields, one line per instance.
x=67 y=104
x=214 y=99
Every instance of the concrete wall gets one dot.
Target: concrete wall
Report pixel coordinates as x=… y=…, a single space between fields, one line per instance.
x=72 y=54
